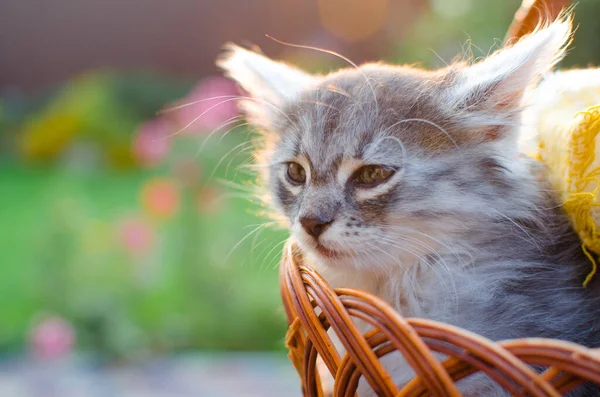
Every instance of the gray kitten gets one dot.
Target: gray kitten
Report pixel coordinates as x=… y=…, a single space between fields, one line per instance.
x=409 y=184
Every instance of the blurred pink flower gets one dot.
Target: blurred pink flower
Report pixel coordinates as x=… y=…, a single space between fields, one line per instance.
x=214 y=111
x=51 y=338
x=152 y=142
x=160 y=197
x=136 y=235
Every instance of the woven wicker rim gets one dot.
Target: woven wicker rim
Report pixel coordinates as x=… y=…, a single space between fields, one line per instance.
x=312 y=307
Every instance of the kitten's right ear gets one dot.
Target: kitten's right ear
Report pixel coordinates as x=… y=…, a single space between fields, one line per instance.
x=271 y=83
x=492 y=91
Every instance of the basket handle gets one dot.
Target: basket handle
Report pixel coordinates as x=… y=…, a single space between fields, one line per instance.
x=531 y=13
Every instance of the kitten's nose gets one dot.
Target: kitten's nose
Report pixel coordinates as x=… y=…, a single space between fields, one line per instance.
x=315 y=226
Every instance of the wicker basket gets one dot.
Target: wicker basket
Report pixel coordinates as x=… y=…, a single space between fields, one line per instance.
x=313 y=307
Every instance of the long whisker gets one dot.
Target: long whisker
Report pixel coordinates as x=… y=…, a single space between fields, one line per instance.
x=242 y=240
x=187 y=104
x=233 y=185
x=426 y=122
x=271 y=265
x=528 y=238
x=388 y=254
x=423 y=259
x=256 y=235
x=216 y=167
x=214 y=131
x=246 y=149
x=402 y=147
x=226 y=132
x=230 y=99
x=307 y=47
x=201 y=114
x=231 y=129
x=428 y=236
x=414 y=286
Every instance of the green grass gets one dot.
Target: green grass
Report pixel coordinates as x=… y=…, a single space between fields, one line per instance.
x=60 y=254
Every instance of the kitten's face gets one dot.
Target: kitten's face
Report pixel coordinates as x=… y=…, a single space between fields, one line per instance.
x=380 y=165
x=356 y=175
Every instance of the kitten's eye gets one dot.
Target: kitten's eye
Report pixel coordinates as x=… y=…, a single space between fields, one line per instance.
x=372 y=175
x=296 y=174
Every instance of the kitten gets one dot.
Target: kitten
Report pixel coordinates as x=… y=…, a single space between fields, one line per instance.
x=409 y=184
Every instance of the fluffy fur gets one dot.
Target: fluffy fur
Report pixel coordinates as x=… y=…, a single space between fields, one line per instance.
x=467 y=230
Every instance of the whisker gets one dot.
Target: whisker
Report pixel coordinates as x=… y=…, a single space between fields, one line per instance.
x=426 y=122
x=245 y=167
x=388 y=254
x=235 y=156
x=242 y=240
x=423 y=259
x=185 y=105
x=271 y=265
x=307 y=47
x=216 y=167
x=200 y=116
x=529 y=238
x=214 y=131
x=231 y=129
x=230 y=97
x=234 y=185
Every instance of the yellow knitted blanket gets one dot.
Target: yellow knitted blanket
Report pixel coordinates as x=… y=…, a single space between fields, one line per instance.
x=567 y=120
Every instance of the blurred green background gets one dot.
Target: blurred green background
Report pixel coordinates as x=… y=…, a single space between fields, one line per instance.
x=127 y=232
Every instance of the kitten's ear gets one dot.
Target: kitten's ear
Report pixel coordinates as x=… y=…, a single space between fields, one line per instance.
x=497 y=84
x=270 y=83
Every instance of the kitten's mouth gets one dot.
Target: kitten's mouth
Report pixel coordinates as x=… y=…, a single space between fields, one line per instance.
x=326 y=252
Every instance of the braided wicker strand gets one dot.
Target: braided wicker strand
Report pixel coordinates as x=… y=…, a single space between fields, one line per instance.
x=313 y=307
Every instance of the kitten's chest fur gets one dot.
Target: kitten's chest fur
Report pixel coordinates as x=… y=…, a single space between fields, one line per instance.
x=428 y=287
x=507 y=287
x=503 y=279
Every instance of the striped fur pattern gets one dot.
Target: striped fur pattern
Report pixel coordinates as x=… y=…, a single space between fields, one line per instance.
x=466 y=230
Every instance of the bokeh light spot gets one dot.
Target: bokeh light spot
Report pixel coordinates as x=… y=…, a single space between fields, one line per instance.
x=353 y=20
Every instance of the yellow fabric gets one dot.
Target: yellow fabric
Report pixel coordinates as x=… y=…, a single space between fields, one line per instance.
x=568 y=130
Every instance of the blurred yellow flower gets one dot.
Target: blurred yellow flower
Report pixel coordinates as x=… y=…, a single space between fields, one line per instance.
x=44 y=138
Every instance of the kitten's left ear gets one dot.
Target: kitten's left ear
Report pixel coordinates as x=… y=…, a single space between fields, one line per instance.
x=498 y=83
x=270 y=82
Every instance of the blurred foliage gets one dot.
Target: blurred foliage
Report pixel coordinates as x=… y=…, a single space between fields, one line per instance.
x=145 y=259
x=585 y=49
x=138 y=258
x=66 y=254
x=100 y=109
x=473 y=29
